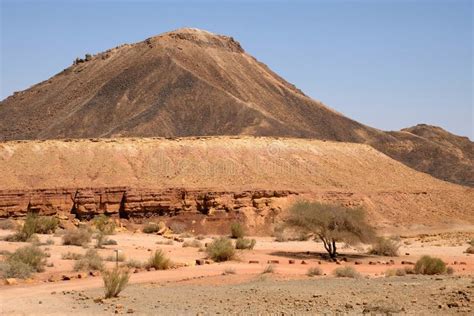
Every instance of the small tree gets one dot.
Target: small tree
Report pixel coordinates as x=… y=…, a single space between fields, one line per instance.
x=331 y=224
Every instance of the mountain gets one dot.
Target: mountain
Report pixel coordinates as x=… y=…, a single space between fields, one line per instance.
x=191 y=82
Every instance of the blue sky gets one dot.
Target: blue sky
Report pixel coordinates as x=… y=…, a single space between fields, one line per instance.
x=388 y=64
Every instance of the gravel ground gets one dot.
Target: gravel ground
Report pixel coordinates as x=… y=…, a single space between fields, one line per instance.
x=266 y=294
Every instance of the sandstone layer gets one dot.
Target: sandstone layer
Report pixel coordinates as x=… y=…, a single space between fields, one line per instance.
x=213 y=178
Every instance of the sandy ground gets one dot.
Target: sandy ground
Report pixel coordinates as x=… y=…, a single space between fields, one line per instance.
x=204 y=289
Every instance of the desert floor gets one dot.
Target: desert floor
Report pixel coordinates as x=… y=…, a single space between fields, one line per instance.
x=194 y=289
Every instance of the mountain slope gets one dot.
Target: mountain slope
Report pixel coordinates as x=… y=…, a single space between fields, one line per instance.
x=191 y=82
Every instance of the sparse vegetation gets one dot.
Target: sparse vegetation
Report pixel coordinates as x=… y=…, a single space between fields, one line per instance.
x=385 y=247
x=244 y=243
x=90 y=261
x=450 y=270
x=221 y=249
x=114 y=257
x=395 y=272
x=115 y=281
x=23 y=262
x=177 y=227
x=15 y=269
x=135 y=264
x=470 y=250
x=430 y=266
x=104 y=224
x=34 y=224
x=159 y=261
x=71 y=256
x=50 y=241
x=314 y=271
x=237 y=230
x=8 y=224
x=167 y=242
x=109 y=242
x=269 y=269
x=77 y=237
x=346 y=272
x=192 y=243
x=151 y=228
x=331 y=224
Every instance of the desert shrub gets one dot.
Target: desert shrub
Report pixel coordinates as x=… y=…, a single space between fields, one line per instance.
x=90 y=261
x=151 y=228
x=15 y=269
x=395 y=272
x=104 y=224
x=46 y=224
x=132 y=263
x=114 y=257
x=385 y=247
x=8 y=224
x=167 y=242
x=470 y=250
x=237 y=230
x=430 y=266
x=346 y=272
x=177 y=227
x=34 y=224
x=450 y=270
x=192 y=243
x=115 y=281
x=314 y=271
x=30 y=255
x=77 y=237
x=471 y=242
x=159 y=261
x=71 y=256
x=50 y=241
x=331 y=224
x=228 y=271
x=109 y=242
x=244 y=243
x=269 y=269
x=221 y=249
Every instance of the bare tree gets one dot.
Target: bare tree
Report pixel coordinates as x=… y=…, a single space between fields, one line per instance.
x=331 y=224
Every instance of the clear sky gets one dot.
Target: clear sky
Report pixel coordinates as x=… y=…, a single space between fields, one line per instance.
x=388 y=64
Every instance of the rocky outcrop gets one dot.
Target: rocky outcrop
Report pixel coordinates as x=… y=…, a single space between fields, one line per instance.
x=132 y=203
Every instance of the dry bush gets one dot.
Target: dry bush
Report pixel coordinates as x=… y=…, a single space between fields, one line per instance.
x=237 y=230
x=470 y=250
x=331 y=224
x=385 y=247
x=8 y=224
x=115 y=281
x=228 y=271
x=151 y=228
x=71 y=256
x=167 y=242
x=114 y=257
x=430 y=266
x=109 y=242
x=90 y=261
x=221 y=249
x=450 y=270
x=177 y=227
x=132 y=263
x=159 y=261
x=314 y=271
x=395 y=272
x=30 y=255
x=346 y=272
x=192 y=243
x=244 y=243
x=15 y=269
x=77 y=237
x=269 y=269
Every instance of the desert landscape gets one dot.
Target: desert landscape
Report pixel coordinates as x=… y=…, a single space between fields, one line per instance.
x=181 y=176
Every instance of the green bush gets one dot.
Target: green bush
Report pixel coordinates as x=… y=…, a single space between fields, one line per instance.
x=221 y=249
x=236 y=230
x=430 y=266
x=244 y=243
x=15 y=269
x=151 y=228
x=159 y=261
x=385 y=247
x=346 y=272
x=77 y=237
x=115 y=281
x=314 y=271
x=104 y=224
x=30 y=255
x=90 y=261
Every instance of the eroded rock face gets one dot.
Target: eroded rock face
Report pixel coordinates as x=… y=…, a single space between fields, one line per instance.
x=254 y=207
